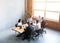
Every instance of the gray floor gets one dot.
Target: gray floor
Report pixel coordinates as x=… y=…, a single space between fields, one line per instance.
x=9 y=36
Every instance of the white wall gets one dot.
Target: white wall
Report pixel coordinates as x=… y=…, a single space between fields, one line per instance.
x=10 y=12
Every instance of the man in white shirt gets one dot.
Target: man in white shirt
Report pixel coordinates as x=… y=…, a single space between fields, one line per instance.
x=30 y=20
x=39 y=19
x=19 y=22
x=37 y=26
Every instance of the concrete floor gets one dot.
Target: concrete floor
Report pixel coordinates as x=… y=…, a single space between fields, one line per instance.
x=9 y=36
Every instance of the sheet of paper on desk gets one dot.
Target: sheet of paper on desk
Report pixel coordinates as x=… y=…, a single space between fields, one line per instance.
x=17 y=29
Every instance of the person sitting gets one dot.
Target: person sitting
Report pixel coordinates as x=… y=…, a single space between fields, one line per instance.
x=19 y=35
x=29 y=31
x=43 y=24
x=19 y=23
x=37 y=28
x=30 y=20
x=39 y=19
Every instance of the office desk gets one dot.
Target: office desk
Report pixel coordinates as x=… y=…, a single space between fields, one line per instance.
x=17 y=29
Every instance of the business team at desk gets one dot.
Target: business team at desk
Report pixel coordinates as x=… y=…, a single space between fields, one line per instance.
x=33 y=26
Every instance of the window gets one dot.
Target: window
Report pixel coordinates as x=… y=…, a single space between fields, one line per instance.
x=47 y=8
x=53 y=6
x=53 y=0
x=52 y=15
x=39 y=5
x=39 y=13
x=39 y=0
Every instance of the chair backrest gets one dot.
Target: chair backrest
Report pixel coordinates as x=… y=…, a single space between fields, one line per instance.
x=29 y=31
x=43 y=24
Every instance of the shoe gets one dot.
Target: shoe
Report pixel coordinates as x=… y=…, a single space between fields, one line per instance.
x=17 y=36
x=28 y=40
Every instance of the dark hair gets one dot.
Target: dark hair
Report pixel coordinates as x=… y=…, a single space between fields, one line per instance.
x=31 y=23
x=28 y=23
x=19 y=20
x=37 y=21
x=20 y=27
x=42 y=17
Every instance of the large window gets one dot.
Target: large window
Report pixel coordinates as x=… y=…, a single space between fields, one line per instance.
x=47 y=8
x=37 y=13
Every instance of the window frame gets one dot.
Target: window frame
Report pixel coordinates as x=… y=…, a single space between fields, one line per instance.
x=45 y=10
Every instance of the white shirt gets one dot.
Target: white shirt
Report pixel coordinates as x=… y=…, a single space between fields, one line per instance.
x=37 y=26
x=29 y=20
x=39 y=19
x=20 y=24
